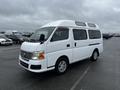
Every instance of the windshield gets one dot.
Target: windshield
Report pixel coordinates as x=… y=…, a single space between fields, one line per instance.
x=17 y=33
x=3 y=36
x=46 y=31
x=19 y=36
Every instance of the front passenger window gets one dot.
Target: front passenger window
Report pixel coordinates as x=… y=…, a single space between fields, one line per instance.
x=61 y=33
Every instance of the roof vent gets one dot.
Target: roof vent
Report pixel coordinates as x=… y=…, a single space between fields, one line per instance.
x=80 y=23
x=91 y=25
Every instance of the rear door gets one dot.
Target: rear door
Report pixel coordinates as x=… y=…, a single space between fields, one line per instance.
x=80 y=44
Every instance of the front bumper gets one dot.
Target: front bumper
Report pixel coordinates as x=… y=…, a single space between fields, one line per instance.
x=36 y=66
x=6 y=43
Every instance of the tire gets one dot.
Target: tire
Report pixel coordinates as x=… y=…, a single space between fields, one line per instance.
x=94 y=56
x=61 y=66
x=11 y=44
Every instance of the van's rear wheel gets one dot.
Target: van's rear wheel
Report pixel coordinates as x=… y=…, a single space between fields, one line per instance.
x=61 y=66
x=94 y=56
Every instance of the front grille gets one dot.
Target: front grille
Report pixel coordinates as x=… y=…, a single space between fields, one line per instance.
x=26 y=55
x=24 y=64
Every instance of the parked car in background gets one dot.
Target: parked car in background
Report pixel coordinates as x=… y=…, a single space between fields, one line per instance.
x=27 y=34
x=13 y=32
x=16 y=37
x=2 y=32
x=4 y=40
x=116 y=34
x=107 y=35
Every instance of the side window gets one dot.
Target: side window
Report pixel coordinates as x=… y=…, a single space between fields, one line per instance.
x=79 y=34
x=61 y=33
x=94 y=34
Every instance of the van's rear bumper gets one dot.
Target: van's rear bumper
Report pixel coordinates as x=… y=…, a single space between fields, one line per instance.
x=34 y=65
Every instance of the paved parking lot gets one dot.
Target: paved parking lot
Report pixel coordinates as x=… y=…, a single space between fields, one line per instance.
x=84 y=75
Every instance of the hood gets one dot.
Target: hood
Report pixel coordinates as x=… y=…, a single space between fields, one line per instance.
x=2 y=39
x=9 y=39
x=31 y=47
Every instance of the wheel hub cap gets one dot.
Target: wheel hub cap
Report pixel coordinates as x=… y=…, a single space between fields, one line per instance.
x=62 y=66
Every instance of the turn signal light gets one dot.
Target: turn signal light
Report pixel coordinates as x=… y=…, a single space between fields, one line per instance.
x=41 y=56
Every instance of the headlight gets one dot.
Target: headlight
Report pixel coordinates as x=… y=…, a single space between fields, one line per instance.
x=38 y=55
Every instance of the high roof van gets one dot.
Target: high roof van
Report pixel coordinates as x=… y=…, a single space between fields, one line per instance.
x=58 y=44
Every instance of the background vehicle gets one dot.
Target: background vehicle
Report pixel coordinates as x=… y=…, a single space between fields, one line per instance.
x=107 y=35
x=116 y=35
x=27 y=34
x=2 y=32
x=16 y=37
x=58 y=44
x=4 y=40
x=12 y=32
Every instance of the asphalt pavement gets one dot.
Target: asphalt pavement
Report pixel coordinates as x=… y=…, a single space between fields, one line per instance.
x=103 y=74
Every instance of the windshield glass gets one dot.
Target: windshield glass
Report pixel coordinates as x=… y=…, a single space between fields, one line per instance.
x=46 y=31
x=17 y=33
x=19 y=36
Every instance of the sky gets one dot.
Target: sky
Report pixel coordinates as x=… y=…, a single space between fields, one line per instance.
x=29 y=15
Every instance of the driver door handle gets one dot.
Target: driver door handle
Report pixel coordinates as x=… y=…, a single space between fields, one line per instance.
x=68 y=45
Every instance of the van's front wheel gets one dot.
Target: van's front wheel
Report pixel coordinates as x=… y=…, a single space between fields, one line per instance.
x=94 y=56
x=61 y=66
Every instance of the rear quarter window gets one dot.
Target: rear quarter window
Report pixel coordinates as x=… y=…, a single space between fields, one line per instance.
x=94 y=34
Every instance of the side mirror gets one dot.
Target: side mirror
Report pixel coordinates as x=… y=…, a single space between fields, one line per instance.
x=42 y=38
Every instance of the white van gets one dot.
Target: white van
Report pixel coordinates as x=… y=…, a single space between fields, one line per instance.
x=60 y=43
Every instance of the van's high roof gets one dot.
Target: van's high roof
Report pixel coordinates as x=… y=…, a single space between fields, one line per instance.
x=72 y=23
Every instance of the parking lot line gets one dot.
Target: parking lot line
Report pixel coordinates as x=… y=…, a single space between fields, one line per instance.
x=79 y=79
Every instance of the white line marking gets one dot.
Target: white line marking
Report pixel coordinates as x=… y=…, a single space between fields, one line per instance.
x=80 y=78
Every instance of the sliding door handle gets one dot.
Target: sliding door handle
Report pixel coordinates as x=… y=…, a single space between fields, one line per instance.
x=75 y=44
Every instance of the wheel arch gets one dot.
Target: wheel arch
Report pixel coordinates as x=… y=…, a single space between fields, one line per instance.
x=63 y=56
x=96 y=49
